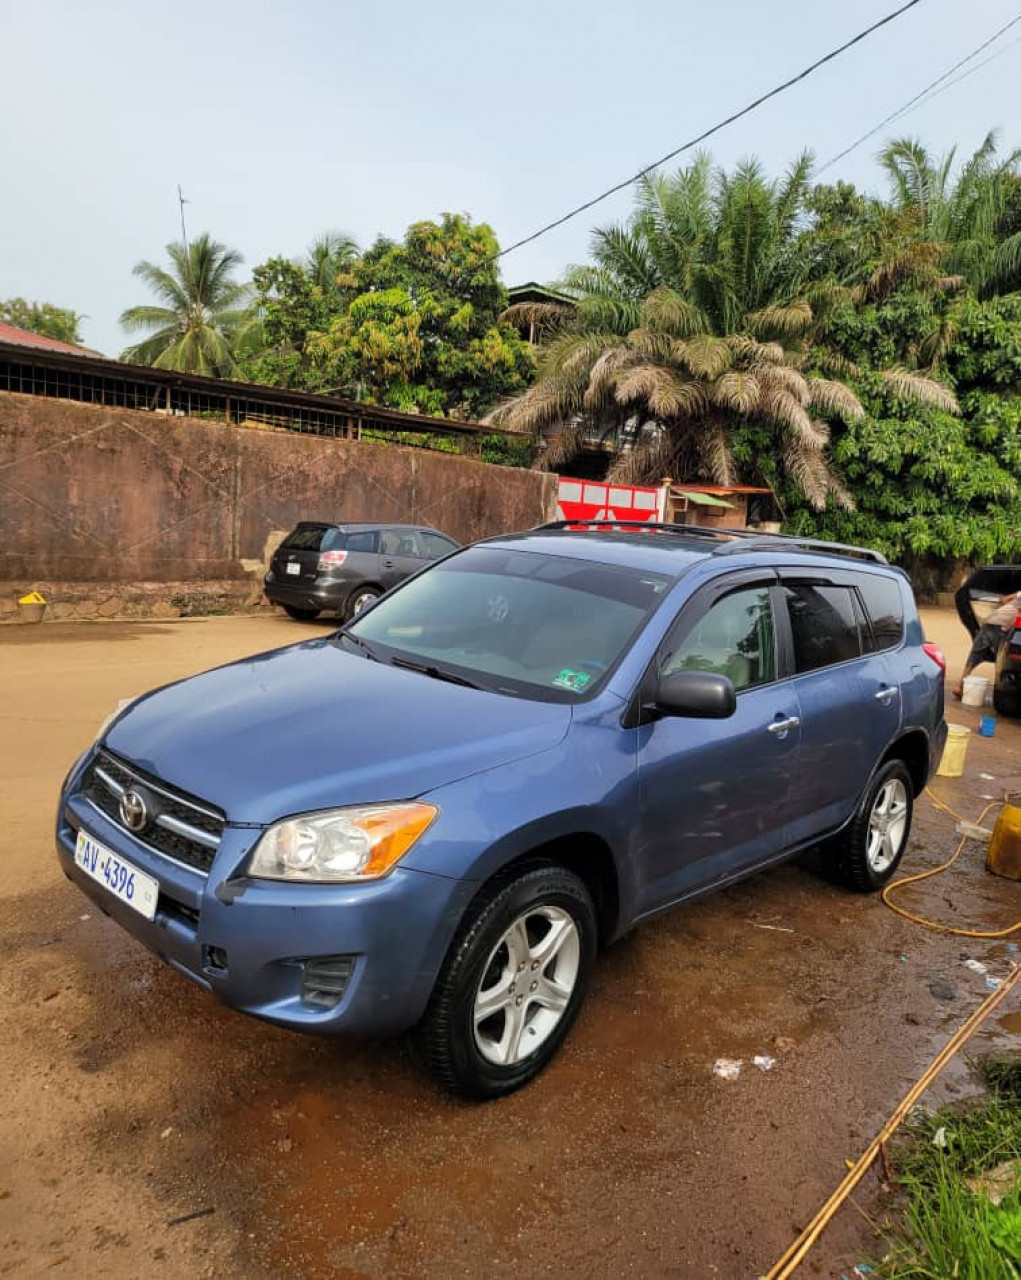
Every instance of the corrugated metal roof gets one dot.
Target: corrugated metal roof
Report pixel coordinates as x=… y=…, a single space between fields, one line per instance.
x=26 y=338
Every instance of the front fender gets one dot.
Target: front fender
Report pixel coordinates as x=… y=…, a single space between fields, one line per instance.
x=584 y=786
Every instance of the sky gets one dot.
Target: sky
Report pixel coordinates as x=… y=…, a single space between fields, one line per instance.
x=281 y=121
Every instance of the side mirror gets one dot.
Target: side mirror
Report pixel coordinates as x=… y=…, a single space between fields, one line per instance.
x=701 y=694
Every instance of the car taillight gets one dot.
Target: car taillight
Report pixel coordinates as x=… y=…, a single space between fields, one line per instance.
x=329 y=559
x=936 y=654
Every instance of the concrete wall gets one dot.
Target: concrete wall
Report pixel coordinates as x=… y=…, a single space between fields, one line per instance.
x=94 y=494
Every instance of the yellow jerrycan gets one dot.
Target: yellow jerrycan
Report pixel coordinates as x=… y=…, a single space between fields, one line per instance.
x=1004 y=857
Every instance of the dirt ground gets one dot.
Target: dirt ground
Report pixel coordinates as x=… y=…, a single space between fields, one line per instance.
x=131 y=1100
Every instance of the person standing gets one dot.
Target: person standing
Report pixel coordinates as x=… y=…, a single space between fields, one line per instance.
x=986 y=644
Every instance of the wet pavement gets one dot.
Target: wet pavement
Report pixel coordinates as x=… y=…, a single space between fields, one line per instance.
x=132 y=1100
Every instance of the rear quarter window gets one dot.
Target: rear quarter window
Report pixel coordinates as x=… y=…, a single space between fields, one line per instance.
x=885 y=607
x=363 y=540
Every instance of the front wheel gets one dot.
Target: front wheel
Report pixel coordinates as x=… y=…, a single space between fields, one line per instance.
x=869 y=849
x=1007 y=702
x=511 y=986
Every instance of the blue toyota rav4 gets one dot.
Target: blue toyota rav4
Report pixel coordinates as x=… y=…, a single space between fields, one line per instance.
x=432 y=818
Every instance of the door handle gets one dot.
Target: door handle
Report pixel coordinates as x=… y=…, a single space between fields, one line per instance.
x=780 y=727
x=887 y=695
x=388 y=564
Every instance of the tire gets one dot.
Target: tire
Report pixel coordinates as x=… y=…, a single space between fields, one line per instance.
x=1007 y=702
x=461 y=1049
x=301 y=615
x=358 y=599
x=859 y=863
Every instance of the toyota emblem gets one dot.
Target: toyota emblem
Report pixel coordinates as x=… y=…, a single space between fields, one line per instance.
x=134 y=813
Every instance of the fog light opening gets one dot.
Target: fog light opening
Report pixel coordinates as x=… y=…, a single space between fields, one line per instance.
x=214 y=960
x=324 y=980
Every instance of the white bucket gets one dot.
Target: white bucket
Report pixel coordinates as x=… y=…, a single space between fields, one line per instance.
x=974 y=693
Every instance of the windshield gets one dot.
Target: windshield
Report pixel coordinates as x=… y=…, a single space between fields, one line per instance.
x=543 y=626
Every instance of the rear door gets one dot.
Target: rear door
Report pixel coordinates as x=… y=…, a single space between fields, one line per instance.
x=715 y=793
x=296 y=560
x=849 y=699
x=401 y=555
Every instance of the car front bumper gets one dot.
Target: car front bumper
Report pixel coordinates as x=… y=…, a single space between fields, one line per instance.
x=252 y=942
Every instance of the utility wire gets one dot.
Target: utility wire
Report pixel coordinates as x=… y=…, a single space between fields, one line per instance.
x=737 y=115
x=911 y=102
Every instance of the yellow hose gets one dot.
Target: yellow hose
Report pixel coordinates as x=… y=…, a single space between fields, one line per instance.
x=795 y=1255
x=936 y=925
x=797 y=1252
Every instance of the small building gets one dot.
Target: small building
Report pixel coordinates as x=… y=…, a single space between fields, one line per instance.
x=535 y=295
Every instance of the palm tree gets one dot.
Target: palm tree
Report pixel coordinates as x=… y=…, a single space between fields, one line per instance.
x=696 y=318
x=331 y=254
x=972 y=221
x=205 y=312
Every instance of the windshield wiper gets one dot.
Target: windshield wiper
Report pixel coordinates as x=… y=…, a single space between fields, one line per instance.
x=426 y=669
x=365 y=648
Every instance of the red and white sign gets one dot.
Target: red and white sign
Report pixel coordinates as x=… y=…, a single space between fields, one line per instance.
x=583 y=500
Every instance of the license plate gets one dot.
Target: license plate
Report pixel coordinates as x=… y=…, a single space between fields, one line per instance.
x=294 y=568
x=122 y=878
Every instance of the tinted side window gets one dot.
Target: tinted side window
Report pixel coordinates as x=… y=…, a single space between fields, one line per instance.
x=824 y=625
x=885 y=608
x=436 y=546
x=365 y=540
x=735 y=638
x=400 y=542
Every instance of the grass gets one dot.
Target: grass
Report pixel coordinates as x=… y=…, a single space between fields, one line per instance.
x=947 y=1231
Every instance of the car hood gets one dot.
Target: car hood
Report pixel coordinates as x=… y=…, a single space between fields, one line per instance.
x=311 y=726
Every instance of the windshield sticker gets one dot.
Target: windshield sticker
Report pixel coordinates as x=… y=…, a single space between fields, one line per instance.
x=573 y=680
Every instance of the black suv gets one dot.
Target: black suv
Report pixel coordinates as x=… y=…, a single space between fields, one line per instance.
x=340 y=568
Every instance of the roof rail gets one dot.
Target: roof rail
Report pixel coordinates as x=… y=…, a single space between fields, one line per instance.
x=652 y=526
x=791 y=542
x=731 y=541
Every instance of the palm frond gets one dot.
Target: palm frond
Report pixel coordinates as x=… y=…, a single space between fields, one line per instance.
x=834 y=398
x=706 y=356
x=737 y=391
x=917 y=388
x=789 y=320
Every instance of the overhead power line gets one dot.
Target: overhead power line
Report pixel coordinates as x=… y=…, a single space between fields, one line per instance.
x=928 y=90
x=708 y=133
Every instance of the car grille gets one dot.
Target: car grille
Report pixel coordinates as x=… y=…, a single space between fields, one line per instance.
x=176 y=825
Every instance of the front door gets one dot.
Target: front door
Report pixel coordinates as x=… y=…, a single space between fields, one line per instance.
x=714 y=793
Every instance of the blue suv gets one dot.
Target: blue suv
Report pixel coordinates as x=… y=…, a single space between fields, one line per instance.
x=433 y=818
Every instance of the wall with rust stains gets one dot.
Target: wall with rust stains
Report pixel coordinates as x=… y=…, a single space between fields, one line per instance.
x=94 y=494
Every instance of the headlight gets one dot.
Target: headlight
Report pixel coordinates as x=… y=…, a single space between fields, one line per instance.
x=340 y=844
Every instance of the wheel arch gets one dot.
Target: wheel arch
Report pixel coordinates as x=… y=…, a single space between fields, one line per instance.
x=584 y=853
x=912 y=748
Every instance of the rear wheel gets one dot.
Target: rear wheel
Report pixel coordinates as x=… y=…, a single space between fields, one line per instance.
x=300 y=615
x=1007 y=702
x=511 y=986
x=868 y=850
x=360 y=599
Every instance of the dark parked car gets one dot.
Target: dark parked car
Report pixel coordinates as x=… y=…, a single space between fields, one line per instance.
x=983 y=591
x=340 y=568
x=433 y=817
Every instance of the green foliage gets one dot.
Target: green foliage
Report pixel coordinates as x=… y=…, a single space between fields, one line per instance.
x=948 y=1228
x=204 y=320
x=58 y=323
x=414 y=325
x=926 y=483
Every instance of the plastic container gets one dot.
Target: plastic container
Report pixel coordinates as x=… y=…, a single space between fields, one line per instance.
x=987 y=727
x=974 y=691
x=1004 y=857
x=31 y=607
x=955 y=752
